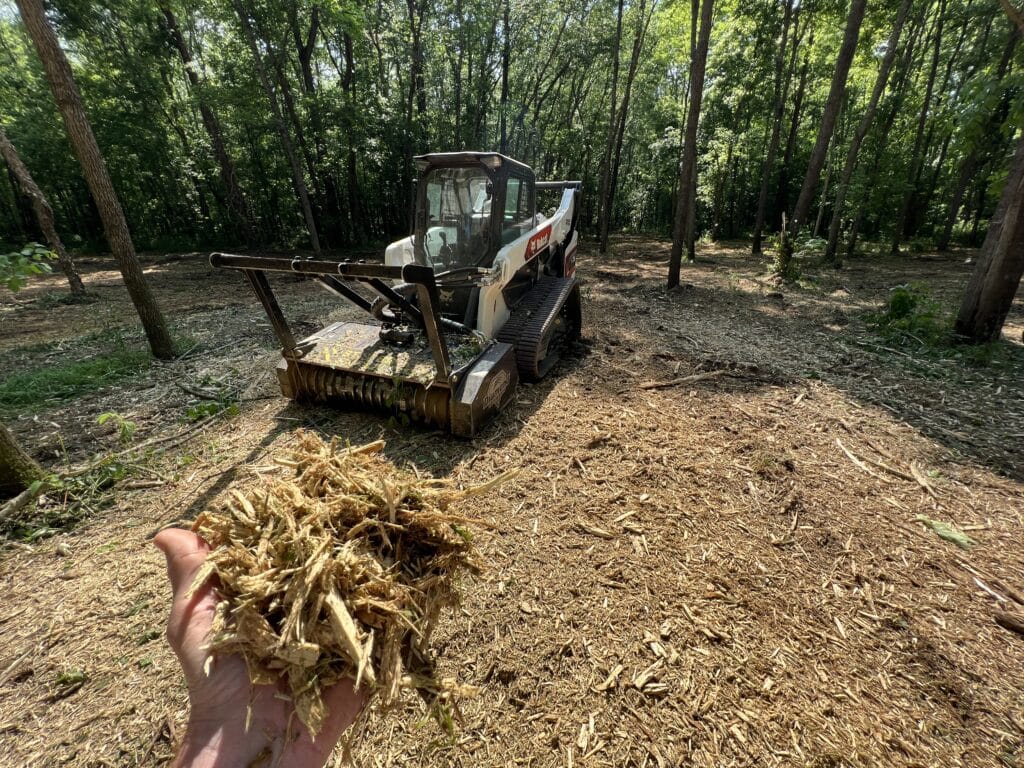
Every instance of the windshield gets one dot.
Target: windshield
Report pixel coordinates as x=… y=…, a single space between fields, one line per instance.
x=455 y=231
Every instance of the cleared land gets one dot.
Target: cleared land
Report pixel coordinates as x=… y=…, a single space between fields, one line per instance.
x=711 y=555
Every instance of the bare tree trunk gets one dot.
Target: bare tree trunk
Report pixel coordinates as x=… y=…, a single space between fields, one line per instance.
x=69 y=102
x=43 y=211
x=852 y=153
x=782 y=188
x=236 y=198
x=780 y=92
x=503 y=105
x=994 y=283
x=823 y=200
x=606 y=162
x=828 y=123
x=622 y=116
x=918 y=154
x=18 y=470
x=298 y=179
x=355 y=203
x=686 y=204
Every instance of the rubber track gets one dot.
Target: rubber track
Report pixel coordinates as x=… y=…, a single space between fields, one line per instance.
x=532 y=320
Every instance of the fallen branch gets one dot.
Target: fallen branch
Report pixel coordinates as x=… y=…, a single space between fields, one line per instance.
x=23 y=499
x=859 y=463
x=1010 y=621
x=684 y=380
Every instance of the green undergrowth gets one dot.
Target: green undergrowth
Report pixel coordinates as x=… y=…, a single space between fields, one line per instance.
x=66 y=501
x=915 y=322
x=912 y=317
x=57 y=382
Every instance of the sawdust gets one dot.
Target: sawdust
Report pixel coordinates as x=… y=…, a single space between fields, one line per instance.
x=338 y=570
x=687 y=575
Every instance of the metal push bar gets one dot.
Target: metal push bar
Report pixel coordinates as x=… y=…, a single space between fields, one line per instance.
x=334 y=275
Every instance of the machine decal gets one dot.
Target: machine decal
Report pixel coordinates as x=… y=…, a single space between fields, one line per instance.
x=569 y=268
x=496 y=388
x=538 y=242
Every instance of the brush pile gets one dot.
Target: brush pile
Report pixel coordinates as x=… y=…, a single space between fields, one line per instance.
x=340 y=570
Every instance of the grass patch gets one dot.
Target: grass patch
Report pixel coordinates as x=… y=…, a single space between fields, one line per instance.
x=49 y=385
x=64 y=299
x=912 y=316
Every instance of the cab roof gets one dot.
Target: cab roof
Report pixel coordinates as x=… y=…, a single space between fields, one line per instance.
x=492 y=160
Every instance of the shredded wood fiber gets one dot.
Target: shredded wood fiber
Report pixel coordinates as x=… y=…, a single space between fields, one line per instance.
x=340 y=570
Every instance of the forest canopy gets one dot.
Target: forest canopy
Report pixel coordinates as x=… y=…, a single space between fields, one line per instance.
x=194 y=104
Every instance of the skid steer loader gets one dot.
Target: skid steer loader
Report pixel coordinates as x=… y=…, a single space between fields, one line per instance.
x=481 y=295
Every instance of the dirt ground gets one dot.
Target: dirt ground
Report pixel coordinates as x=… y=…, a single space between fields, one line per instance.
x=711 y=555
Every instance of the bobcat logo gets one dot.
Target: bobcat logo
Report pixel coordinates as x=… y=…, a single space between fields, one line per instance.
x=538 y=242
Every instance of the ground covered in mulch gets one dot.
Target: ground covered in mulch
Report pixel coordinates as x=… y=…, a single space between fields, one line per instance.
x=713 y=553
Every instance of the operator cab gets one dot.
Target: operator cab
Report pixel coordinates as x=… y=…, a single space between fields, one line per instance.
x=469 y=205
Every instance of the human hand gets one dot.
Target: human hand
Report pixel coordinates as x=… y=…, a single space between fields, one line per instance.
x=216 y=736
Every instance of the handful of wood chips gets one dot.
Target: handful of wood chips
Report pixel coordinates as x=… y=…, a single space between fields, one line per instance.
x=340 y=570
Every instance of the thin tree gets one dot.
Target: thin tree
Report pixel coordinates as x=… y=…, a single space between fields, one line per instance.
x=69 y=102
x=917 y=156
x=853 y=152
x=780 y=88
x=606 y=162
x=229 y=177
x=622 y=114
x=43 y=212
x=828 y=124
x=685 y=203
x=298 y=179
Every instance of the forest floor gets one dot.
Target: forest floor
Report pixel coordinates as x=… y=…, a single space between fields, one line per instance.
x=711 y=555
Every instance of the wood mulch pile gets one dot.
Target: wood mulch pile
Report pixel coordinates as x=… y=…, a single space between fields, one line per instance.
x=722 y=548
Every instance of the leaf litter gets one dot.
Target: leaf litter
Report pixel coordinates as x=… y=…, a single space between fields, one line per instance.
x=340 y=570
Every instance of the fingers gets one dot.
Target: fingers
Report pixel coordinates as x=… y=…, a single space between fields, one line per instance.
x=185 y=553
x=190 y=618
x=344 y=704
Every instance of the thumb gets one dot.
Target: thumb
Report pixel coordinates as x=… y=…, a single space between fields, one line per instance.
x=185 y=553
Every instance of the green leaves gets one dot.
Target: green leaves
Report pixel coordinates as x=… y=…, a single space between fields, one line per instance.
x=948 y=532
x=17 y=267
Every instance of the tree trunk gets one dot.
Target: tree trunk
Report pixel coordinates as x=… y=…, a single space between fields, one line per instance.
x=994 y=283
x=823 y=200
x=780 y=92
x=621 y=117
x=229 y=178
x=43 y=212
x=917 y=157
x=115 y=227
x=18 y=470
x=606 y=162
x=298 y=179
x=505 y=53
x=686 y=203
x=782 y=188
x=828 y=123
x=850 y=164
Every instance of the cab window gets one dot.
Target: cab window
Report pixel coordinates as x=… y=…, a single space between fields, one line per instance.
x=519 y=209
